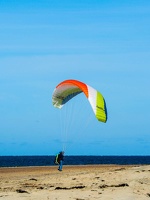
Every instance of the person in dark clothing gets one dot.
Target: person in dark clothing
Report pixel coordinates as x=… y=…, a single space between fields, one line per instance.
x=60 y=160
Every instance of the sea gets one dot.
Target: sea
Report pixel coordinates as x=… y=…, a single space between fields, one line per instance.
x=22 y=161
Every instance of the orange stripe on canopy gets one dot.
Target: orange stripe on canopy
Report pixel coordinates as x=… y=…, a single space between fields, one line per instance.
x=79 y=84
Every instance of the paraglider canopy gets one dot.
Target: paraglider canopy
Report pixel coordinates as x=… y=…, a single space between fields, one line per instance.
x=68 y=89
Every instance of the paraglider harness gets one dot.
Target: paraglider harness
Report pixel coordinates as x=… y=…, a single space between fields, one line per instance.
x=57 y=159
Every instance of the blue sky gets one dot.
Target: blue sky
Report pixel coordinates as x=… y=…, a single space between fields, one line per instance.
x=105 y=44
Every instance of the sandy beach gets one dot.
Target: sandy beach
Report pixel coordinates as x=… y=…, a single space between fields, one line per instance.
x=76 y=182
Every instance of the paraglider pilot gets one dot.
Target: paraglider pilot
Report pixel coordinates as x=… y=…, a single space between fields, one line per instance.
x=60 y=160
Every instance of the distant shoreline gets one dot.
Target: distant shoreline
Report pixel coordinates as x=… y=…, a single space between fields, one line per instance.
x=74 y=166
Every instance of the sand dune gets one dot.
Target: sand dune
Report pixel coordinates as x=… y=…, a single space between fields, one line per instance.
x=89 y=182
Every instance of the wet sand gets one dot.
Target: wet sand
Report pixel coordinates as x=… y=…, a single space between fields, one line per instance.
x=89 y=182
